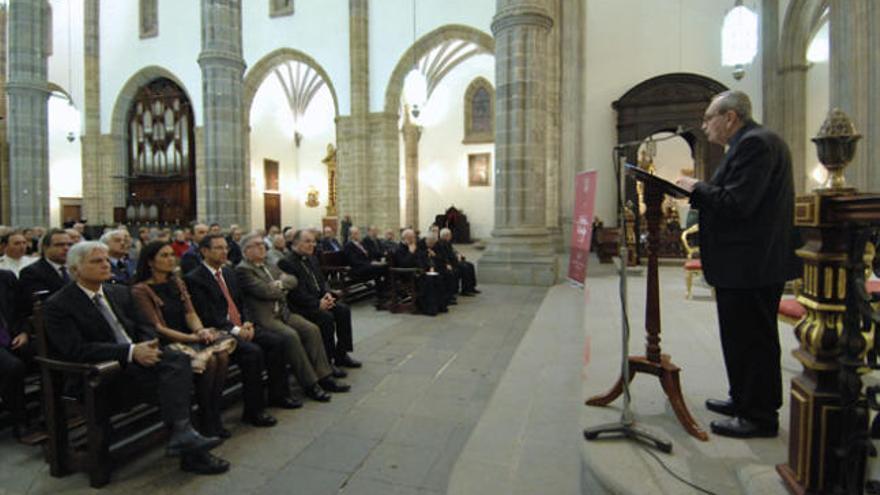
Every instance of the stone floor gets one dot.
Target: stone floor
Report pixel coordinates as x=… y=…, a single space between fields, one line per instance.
x=413 y=406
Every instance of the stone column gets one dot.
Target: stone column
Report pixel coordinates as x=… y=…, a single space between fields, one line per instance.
x=411 y=135
x=28 y=135
x=855 y=82
x=554 y=87
x=4 y=147
x=226 y=182
x=573 y=25
x=769 y=53
x=352 y=131
x=520 y=250
x=98 y=201
x=383 y=179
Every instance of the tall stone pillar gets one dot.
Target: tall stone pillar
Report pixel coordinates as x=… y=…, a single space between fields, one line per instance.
x=520 y=251
x=226 y=185
x=411 y=135
x=855 y=82
x=554 y=87
x=4 y=147
x=573 y=27
x=28 y=99
x=352 y=131
x=97 y=198
x=769 y=54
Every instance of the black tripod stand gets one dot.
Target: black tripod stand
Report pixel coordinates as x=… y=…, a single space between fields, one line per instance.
x=625 y=428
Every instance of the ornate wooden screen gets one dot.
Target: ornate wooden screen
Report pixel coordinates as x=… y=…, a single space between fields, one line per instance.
x=161 y=155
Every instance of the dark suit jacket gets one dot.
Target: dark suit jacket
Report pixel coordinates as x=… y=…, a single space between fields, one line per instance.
x=9 y=307
x=746 y=213
x=405 y=259
x=36 y=277
x=121 y=276
x=373 y=247
x=357 y=258
x=208 y=299
x=234 y=255
x=78 y=332
x=190 y=259
x=312 y=284
x=330 y=245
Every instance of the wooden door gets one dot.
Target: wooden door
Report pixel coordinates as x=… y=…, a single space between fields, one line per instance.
x=70 y=213
x=272 y=209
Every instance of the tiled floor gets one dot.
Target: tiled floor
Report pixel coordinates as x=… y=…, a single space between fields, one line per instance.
x=413 y=406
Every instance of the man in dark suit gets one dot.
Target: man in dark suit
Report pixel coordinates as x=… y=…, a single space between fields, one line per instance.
x=49 y=273
x=746 y=212
x=312 y=299
x=329 y=244
x=363 y=264
x=193 y=256
x=464 y=270
x=219 y=303
x=373 y=244
x=90 y=322
x=15 y=352
x=122 y=266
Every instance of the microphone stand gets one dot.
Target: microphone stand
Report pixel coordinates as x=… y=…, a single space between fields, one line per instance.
x=625 y=428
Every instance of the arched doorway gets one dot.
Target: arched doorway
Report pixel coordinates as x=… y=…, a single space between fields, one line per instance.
x=670 y=103
x=160 y=151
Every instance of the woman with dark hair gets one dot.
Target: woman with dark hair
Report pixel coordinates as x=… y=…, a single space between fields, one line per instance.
x=165 y=302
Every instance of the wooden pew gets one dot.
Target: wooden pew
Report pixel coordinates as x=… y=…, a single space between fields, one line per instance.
x=338 y=273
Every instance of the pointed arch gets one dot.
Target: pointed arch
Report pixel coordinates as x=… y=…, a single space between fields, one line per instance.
x=129 y=91
x=422 y=47
x=258 y=73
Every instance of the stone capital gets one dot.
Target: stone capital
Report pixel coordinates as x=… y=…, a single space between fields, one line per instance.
x=218 y=58
x=527 y=15
x=26 y=87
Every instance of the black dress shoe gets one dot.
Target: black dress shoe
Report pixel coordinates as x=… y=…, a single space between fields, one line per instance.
x=223 y=433
x=476 y=291
x=203 y=463
x=286 y=403
x=331 y=385
x=468 y=293
x=338 y=372
x=348 y=362
x=740 y=427
x=261 y=420
x=317 y=392
x=725 y=407
x=188 y=440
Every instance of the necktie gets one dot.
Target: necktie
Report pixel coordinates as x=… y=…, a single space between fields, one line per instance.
x=231 y=309
x=5 y=338
x=64 y=276
x=118 y=332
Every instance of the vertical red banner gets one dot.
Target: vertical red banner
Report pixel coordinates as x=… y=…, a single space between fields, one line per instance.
x=582 y=230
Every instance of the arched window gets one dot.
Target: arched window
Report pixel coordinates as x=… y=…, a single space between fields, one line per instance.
x=149 y=18
x=161 y=154
x=479 y=112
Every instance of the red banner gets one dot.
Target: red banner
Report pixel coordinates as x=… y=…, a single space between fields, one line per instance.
x=582 y=230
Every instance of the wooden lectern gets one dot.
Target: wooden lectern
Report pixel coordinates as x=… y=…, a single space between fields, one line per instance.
x=654 y=362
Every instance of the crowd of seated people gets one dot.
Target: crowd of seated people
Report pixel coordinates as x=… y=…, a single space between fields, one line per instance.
x=177 y=308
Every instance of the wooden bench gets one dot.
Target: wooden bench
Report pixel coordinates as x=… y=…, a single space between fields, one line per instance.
x=404 y=289
x=338 y=273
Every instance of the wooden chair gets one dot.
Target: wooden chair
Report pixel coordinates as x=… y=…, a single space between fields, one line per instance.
x=338 y=273
x=404 y=289
x=692 y=265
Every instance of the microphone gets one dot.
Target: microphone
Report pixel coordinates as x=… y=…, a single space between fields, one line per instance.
x=680 y=130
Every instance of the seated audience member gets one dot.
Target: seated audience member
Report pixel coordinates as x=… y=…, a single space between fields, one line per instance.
x=232 y=240
x=363 y=267
x=264 y=287
x=81 y=228
x=215 y=229
x=373 y=244
x=192 y=258
x=49 y=273
x=122 y=266
x=89 y=322
x=131 y=247
x=164 y=301
x=267 y=238
x=312 y=299
x=37 y=233
x=437 y=282
x=14 y=258
x=219 y=303
x=74 y=235
x=179 y=243
x=277 y=249
x=16 y=353
x=329 y=244
x=465 y=273
x=388 y=244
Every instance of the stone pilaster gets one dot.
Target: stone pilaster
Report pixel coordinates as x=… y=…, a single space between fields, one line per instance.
x=383 y=180
x=4 y=147
x=411 y=135
x=573 y=25
x=226 y=177
x=855 y=83
x=98 y=200
x=27 y=132
x=769 y=65
x=554 y=88
x=520 y=250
